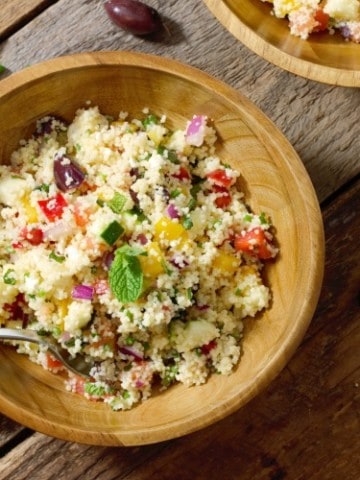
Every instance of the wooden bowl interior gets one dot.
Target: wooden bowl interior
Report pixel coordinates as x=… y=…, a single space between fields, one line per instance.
x=252 y=23
x=274 y=181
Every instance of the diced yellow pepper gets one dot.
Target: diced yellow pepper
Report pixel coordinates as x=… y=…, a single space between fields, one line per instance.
x=62 y=307
x=166 y=229
x=30 y=211
x=225 y=263
x=152 y=264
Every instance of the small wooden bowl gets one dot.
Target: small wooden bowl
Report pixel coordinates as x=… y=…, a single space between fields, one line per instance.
x=325 y=58
x=275 y=181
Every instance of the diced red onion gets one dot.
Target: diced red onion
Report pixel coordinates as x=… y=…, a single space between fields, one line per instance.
x=195 y=131
x=202 y=307
x=139 y=384
x=142 y=239
x=132 y=352
x=65 y=337
x=108 y=258
x=134 y=196
x=68 y=175
x=179 y=263
x=58 y=231
x=172 y=211
x=83 y=292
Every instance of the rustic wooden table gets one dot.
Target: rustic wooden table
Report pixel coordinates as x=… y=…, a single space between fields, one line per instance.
x=306 y=424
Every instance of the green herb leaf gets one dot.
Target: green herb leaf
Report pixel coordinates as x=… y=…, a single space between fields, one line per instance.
x=57 y=258
x=150 y=120
x=262 y=218
x=43 y=188
x=125 y=275
x=93 y=389
x=187 y=223
x=9 y=278
x=116 y=204
x=2 y=69
x=175 y=193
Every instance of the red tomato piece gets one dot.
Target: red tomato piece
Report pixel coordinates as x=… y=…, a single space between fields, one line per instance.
x=34 y=236
x=220 y=178
x=78 y=385
x=52 y=362
x=101 y=286
x=206 y=349
x=182 y=174
x=254 y=242
x=224 y=199
x=53 y=208
x=323 y=20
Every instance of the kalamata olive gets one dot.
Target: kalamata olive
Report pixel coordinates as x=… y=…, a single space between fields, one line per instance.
x=68 y=175
x=134 y=16
x=47 y=124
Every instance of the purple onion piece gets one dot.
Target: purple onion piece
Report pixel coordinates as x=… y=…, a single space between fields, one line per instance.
x=132 y=352
x=134 y=196
x=107 y=260
x=202 y=307
x=172 y=211
x=179 y=264
x=82 y=292
x=67 y=173
x=141 y=238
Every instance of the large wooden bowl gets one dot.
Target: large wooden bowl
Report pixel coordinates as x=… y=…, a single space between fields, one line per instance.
x=274 y=180
x=324 y=58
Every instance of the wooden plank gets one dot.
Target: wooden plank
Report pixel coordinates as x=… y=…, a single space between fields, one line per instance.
x=307 y=112
x=305 y=426
x=17 y=12
x=8 y=431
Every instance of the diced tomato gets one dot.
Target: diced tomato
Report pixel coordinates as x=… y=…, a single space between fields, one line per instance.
x=34 y=236
x=81 y=216
x=220 y=178
x=224 y=199
x=206 y=349
x=254 y=242
x=17 y=245
x=101 y=286
x=182 y=174
x=78 y=385
x=16 y=310
x=52 y=362
x=53 y=208
x=323 y=20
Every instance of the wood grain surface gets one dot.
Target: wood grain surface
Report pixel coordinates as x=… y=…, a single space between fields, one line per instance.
x=321 y=122
x=306 y=425
x=15 y=13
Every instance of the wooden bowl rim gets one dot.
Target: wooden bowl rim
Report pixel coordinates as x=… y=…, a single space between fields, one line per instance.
x=304 y=68
x=269 y=131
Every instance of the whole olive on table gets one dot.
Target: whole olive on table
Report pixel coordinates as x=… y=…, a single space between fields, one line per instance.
x=134 y=16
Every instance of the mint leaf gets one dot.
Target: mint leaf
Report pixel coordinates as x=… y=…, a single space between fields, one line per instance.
x=125 y=275
x=130 y=251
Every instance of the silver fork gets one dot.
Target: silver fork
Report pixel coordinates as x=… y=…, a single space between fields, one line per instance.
x=76 y=364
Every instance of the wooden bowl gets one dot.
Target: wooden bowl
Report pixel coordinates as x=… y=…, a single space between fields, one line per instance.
x=324 y=57
x=274 y=180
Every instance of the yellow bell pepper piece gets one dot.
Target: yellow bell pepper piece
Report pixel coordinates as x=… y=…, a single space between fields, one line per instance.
x=166 y=229
x=225 y=263
x=30 y=211
x=152 y=265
